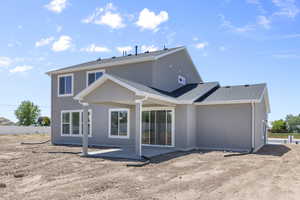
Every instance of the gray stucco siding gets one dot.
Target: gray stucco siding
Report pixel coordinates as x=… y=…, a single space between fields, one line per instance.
x=139 y=72
x=167 y=69
x=224 y=126
x=260 y=117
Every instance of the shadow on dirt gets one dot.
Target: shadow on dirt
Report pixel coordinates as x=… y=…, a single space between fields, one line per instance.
x=273 y=150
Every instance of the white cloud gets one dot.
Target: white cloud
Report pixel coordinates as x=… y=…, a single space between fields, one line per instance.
x=149 y=20
x=62 y=44
x=195 y=38
x=242 y=29
x=44 y=41
x=20 y=69
x=94 y=48
x=124 y=48
x=113 y=20
x=59 y=29
x=5 y=61
x=148 y=48
x=57 y=6
x=106 y=16
x=201 y=45
x=287 y=8
x=264 y=22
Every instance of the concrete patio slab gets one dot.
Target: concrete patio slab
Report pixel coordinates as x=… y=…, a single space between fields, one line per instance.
x=129 y=152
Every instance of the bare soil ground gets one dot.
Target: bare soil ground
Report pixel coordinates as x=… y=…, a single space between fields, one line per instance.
x=57 y=172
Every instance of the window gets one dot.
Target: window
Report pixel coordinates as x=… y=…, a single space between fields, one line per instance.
x=65 y=85
x=181 y=80
x=71 y=123
x=93 y=76
x=158 y=126
x=119 y=123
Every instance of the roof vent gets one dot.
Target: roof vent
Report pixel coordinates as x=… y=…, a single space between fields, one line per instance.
x=113 y=57
x=146 y=52
x=247 y=85
x=227 y=86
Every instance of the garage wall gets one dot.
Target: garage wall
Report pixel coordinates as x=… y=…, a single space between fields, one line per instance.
x=224 y=126
x=260 y=116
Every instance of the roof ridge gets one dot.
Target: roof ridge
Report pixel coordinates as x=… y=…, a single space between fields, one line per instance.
x=106 y=62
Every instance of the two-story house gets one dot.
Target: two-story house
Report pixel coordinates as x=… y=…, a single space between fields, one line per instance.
x=154 y=99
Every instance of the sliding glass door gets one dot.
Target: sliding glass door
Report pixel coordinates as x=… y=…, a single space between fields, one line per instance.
x=157 y=127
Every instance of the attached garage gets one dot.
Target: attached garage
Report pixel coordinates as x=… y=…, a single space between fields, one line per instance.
x=224 y=127
x=233 y=118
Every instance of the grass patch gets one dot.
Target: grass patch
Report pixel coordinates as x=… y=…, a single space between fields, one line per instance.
x=283 y=135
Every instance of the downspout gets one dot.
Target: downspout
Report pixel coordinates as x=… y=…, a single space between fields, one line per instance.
x=253 y=126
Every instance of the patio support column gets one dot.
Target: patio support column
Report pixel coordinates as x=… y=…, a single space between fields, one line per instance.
x=85 y=138
x=138 y=128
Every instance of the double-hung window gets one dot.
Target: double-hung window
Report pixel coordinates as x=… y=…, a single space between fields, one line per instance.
x=119 y=123
x=92 y=76
x=71 y=123
x=65 y=85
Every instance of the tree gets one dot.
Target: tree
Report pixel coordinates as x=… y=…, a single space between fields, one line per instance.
x=293 y=123
x=44 y=121
x=279 y=126
x=27 y=113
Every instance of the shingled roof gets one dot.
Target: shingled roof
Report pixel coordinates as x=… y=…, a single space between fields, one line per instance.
x=112 y=61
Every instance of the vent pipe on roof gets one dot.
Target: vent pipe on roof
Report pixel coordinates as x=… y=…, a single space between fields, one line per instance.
x=136 y=50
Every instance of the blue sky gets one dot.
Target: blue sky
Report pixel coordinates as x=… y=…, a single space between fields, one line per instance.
x=231 y=41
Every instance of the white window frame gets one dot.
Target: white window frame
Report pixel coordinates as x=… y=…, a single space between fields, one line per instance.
x=183 y=82
x=109 y=123
x=58 y=85
x=90 y=72
x=172 y=109
x=71 y=125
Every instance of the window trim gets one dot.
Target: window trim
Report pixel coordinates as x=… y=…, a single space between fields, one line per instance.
x=128 y=123
x=71 y=125
x=89 y=72
x=72 y=86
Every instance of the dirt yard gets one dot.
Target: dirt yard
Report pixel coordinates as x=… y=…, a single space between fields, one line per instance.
x=55 y=172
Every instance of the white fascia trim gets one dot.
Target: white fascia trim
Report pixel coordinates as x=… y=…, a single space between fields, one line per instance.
x=267 y=102
x=102 y=65
x=170 y=52
x=105 y=77
x=116 y=63
x=100 y=81
x=228 y=102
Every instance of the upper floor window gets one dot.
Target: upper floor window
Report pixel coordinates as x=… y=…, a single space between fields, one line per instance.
x=181 y=80
x=65 y=85
x=92 y=76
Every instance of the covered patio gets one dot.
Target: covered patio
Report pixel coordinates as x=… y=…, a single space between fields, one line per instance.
x=124 y=95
